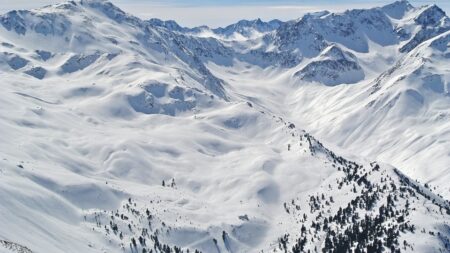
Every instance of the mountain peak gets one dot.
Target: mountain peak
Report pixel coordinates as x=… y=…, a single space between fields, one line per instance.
x=397 y=9
x=102 y=5
x=430 y=16
x=400 y=3
x=246 y=27
x=169 y=24
x=55 y=19
x=125 y=135
x=104 y=2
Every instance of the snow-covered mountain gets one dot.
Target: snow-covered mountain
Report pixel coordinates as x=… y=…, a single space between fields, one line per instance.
x=248 y=28
x=333 y=66
x=129 y=135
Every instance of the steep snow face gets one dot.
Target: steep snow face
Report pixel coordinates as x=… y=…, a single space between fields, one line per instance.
x=45 y=24
x=420 y=64
x=332 y=67
x=417 y=87
x=249 y=28
x=352 y=29
x=423 y=24
x=300 y=37
x=397 y=9
x=168 y=24
x=124 y=135
x=431 y=15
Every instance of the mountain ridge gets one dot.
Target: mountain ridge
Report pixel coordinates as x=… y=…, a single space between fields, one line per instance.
x=131 y=135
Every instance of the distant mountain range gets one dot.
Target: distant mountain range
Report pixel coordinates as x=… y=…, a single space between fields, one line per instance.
x=329 y=133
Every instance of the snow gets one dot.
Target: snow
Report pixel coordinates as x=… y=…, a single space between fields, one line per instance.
x=398 y=9
x=332 y=67
x=37 y=72
x=105 y=115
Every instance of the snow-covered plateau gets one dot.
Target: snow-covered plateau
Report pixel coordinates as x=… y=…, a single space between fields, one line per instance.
x=329 y=133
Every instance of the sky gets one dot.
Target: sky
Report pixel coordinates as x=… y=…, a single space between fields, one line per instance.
x=217 y=13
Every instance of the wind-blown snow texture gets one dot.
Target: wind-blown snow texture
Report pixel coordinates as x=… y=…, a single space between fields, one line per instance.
x=127 y=135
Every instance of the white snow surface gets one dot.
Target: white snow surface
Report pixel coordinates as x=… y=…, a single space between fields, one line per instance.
x=99 y=108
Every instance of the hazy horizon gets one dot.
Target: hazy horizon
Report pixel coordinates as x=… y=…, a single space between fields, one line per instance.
x=222 y=13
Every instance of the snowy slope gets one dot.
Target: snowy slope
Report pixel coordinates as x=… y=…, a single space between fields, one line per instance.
x=402 y=130
x=126 y=135
x=333 y=66
x=400 y=116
